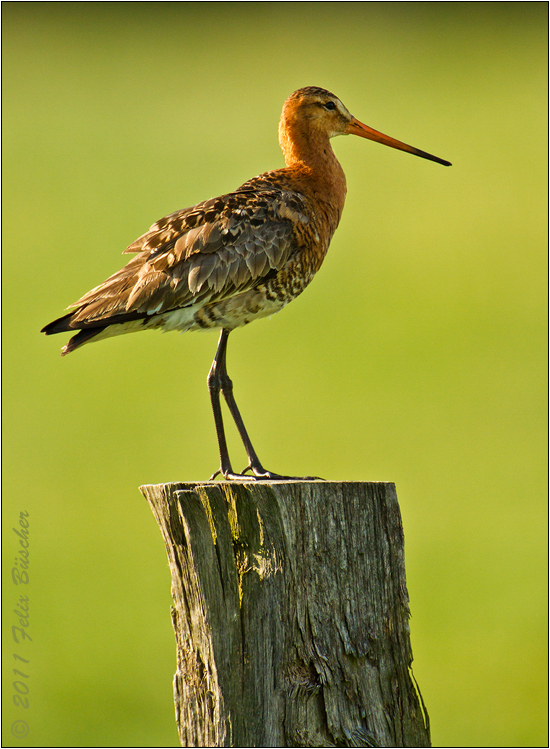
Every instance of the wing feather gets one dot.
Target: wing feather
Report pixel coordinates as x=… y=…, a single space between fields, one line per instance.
x=202 y=254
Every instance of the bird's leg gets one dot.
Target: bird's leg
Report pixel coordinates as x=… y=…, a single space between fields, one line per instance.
x=215 y=380
x=218 y=379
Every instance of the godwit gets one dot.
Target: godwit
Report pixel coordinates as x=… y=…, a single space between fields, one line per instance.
x=236 y=258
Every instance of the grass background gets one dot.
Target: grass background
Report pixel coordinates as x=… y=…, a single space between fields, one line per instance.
x=418 y=354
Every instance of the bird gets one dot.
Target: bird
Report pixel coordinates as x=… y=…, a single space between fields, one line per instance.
x=235 y=258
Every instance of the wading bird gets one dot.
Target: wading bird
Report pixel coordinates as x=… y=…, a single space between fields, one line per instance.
x=236 y=258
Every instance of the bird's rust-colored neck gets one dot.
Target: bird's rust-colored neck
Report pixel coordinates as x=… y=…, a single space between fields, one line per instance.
x=314 y=166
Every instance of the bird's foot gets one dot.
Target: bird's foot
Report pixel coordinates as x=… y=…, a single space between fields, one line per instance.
x=230 y=476
x=259 y=474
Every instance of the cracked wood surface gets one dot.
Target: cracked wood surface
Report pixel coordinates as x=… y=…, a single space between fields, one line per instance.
x=290 y=613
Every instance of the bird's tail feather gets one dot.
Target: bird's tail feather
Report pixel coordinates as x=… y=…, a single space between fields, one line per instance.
x=83 y=336
x=63 y=325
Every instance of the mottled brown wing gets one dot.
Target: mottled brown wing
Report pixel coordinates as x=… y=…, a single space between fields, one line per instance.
x=202 y=254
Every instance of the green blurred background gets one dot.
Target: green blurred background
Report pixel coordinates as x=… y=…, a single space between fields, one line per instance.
x=418 y=354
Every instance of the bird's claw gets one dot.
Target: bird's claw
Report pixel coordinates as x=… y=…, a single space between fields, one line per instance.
x=259 y=473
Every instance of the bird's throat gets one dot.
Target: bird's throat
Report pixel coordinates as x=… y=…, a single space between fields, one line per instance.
x=314 y=165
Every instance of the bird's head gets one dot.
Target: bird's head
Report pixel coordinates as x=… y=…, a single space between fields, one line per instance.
x=315 y=110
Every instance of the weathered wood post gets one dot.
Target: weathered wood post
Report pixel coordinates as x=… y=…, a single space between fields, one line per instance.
x=290 y=613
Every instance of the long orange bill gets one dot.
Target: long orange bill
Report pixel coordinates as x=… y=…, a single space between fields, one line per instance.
x=364 y=131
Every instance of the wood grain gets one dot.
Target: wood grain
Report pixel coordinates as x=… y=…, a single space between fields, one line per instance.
x=291 y=614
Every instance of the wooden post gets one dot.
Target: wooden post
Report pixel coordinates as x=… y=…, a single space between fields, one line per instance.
x=291 y=614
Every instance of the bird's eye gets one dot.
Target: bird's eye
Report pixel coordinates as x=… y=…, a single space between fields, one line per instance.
x=330 y=105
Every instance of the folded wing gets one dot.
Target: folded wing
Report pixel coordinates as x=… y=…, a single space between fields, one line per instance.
x=203 y=254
